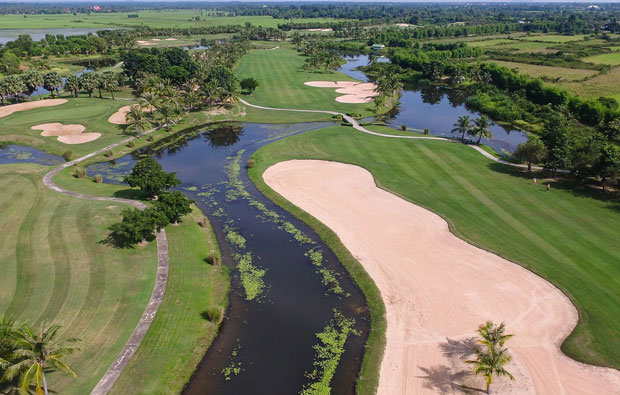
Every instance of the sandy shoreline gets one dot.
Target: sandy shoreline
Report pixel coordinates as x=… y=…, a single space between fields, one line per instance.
x=437 y=289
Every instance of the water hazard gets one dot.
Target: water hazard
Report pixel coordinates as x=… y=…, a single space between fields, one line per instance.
x=435 y=109
x=21 y=154
x=291 y=285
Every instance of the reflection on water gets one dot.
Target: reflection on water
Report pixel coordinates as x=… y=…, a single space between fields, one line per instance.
x=265 y=345
x=7 y=35
x=436 y=109
x=22 y=154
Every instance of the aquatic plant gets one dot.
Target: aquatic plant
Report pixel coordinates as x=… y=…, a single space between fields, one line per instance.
x=327 y=354
x=329 y=278
x=251 y=276
x=234 y=368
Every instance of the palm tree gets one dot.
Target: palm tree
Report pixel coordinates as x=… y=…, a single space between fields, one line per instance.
x=489 y=362
x=462 y=125
x=110 y=83
x=168 y=109
x=481 y=128
x=493 y=335
x=137 y=118
x=38 y=353
x=149 y=101
x=4 y=90
x=15 y=86
x=51 y=82
x=33 y=81
x=72 y=84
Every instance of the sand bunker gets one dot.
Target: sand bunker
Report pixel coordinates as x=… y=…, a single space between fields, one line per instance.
x=403 y=24
x=143 y=42
x=68 y=134
x=437 y=289
x=120 y=116
x=353 y=92
x=321 y=30
x=10 y=109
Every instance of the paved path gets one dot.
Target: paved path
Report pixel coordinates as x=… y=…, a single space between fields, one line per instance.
x=359 y=127
x=163 y=261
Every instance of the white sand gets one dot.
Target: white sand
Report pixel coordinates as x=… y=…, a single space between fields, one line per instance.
x=67 y=134
x=403 y=24
x=437 y=290
x=143 y=42
x=118 y=118
x=10 y=109
x=353 y=92
x=170 y=39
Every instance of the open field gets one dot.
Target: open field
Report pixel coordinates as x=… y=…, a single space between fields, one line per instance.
x=495 y=207
x=282 y=78
x=607 y=84
x=548 y=71
x=554 y=38
x=92 y=113
x=152 y=18
x=55 y=268
x=612 y=59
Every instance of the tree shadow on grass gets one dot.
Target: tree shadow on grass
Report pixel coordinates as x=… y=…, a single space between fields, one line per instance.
x=566 y=184
x=130 y=193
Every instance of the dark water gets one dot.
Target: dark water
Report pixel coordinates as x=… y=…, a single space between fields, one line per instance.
x=270 y=338
x=435 y=109
x=21 y=154
x=7 y=35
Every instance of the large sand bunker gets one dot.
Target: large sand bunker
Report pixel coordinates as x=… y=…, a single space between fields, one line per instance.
x=437 y=289
x=354 y=92
x=120 y=116
x=68 y=134
x=10 y=109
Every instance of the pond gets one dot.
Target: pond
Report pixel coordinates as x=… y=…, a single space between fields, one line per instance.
x=265 y=345
x=21 y=154
x=7 y=35
x=435 y=109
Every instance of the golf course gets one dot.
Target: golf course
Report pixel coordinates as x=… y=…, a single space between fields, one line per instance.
x=317 y=199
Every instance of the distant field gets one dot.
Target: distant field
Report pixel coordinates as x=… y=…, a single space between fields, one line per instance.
x=607 y=84
x=554 y=38
x=525 y=46
x=168 y=18
x=489 y=43
x=55 y=268
x=612 y=59
x=548 y=71
x=181 y=41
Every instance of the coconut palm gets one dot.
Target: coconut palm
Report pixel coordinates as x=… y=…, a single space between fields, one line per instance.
x=462 y=125
x=149 y=100
x=490 y=362
x=169 y=110
x=37 y=353
x=72 y=84
x=493 y=335
x=110 y=83
x=481 y=128
x=192 y=100
x=137 y=119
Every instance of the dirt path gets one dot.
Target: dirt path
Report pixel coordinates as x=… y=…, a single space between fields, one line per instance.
x=163 y=261
x=437 y=289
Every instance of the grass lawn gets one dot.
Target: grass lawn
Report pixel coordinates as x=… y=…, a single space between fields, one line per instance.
x=554 y=38
x=54 y=268
x=605 y=84
x=612 y=59
x=282 y=78
x=152 y=18
x=548 y=71
x=524 y=46
x=92 y=113
x=568 y=236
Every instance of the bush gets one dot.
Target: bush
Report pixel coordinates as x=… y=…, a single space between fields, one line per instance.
x=149 y=139
x=67 y=155
x=99 y=179
x=403 y=127
x=214 y=258
x=79 y=172
x=131 y=144
x=213 y=314
x=426 y=131
x=251 y=163
x=109 y=154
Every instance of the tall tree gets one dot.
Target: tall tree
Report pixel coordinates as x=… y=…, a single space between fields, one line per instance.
x=137 y=119
x=149 y=176
x=174 y=205
x=5 y=91
x=491 y=358
x=51 y=82
x=532 y=151
x=110 y=82
x=39 y=353
x=72 y=84
x=33 y=81
x=15 y=86
x=88 y=82
x=462 y=125
x=481 y=128
x=558 y=143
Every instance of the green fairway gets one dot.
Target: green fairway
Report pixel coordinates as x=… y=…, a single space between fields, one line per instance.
x=612 y=59
x=152 y=18
x=281 y=77
x=569 y=236
x=55 y=268
x=92 y=113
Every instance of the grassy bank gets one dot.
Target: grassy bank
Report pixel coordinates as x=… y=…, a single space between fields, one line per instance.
x=568 y=236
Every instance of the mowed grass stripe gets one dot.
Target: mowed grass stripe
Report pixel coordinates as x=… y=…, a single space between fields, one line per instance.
x=569 y=236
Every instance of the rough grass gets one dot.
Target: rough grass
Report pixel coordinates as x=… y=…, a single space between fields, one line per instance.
x=568 y=236
x=92 y=113
x=607 y=84
x=554 y=38
x=612 y=59
x=152 y=18
x=548 y=71
x=55 y=268
x=282 y=78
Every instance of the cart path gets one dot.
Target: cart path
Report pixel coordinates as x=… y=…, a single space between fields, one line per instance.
x=159 y=289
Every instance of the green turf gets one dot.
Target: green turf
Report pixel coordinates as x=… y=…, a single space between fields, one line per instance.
x=282 y=78
x=612 y=59
x=55 y=268
x=537 y=71
x=152 y=18
x=554 y=38
x=92 y=113
x=569 y=236
x=179 y=336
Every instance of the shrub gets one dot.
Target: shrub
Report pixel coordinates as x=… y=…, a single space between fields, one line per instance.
x=109 y=154
x=403 y=127
x=79 y=172
x=213 y=257
x=213 y=314
x=149 y=139
x=99 y=179
x=251 y=163
x=131 y=144
x=67 y=155
x=3 y=144
x=426 y=131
